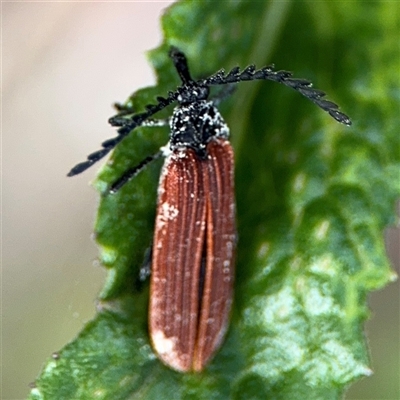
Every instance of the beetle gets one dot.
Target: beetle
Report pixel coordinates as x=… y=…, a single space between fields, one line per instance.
x=192 y=266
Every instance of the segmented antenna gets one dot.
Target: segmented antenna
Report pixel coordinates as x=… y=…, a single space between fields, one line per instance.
x=303 y=86
x=130 y=173
x=181 y=65
x=126 y=125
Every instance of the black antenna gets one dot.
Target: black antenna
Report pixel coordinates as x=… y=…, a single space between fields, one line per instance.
x=130 y=173
x=127 y=125
x=303 y=86
x=181 y=65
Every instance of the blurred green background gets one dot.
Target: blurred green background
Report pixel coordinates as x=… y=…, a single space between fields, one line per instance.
x=63 y=65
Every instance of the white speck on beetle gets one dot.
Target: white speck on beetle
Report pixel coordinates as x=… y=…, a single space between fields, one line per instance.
x=168 y=212
x=166 y=150
x=163 y=344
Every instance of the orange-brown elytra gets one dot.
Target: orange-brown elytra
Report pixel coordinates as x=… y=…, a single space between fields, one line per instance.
x=192 y=266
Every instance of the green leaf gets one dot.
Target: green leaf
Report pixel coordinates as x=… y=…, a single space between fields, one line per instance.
x=313 y=198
